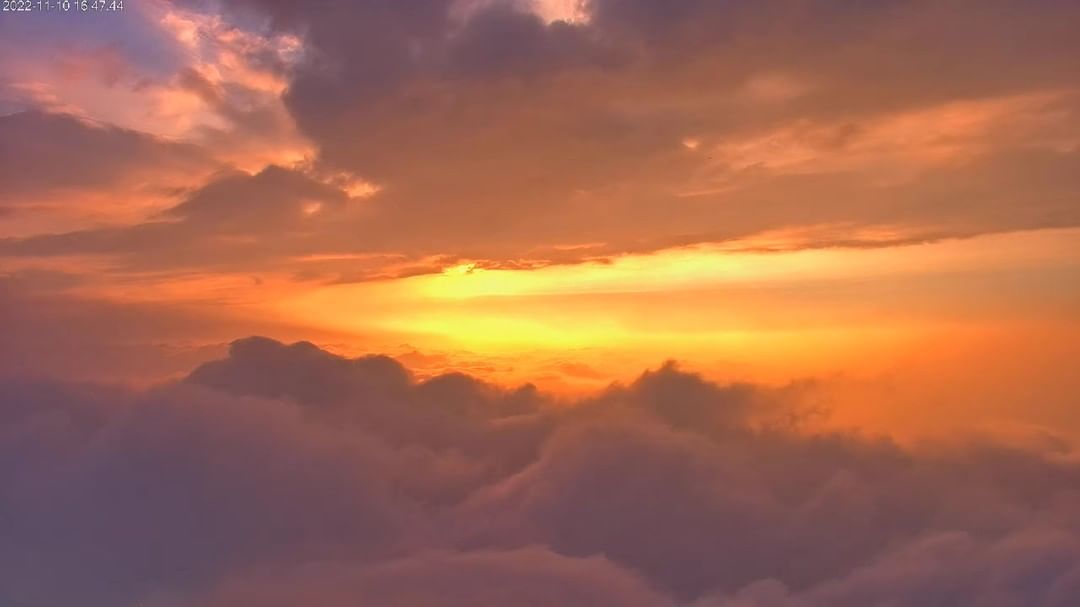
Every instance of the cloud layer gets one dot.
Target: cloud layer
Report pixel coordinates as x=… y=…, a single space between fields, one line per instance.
x=495 y=134
x=285 y=475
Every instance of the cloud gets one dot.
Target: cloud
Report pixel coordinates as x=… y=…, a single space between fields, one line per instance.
x=175 y=489
x=451 y=412
x=524 y=576
x=500 y=136
x=282 y=474
x=62 y=161
x=226 y=223
x=1037 y=567
x=162 y=69
x=500 y=133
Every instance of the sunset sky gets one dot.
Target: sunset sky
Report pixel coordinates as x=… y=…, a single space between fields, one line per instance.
x=873 y=206
x=547 y=192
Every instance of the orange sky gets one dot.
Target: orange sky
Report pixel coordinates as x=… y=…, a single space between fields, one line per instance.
x=559 y=196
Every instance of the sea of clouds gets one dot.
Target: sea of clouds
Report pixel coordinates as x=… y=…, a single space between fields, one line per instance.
x=284 y=475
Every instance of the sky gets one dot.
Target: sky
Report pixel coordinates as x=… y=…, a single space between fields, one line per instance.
x=386 y=299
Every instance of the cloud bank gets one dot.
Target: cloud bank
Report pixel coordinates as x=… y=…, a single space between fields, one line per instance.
x=284 y=475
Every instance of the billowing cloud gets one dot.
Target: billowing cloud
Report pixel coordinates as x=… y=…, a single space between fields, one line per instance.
x=283 y=475
x=173 y=490
x=1036 y=567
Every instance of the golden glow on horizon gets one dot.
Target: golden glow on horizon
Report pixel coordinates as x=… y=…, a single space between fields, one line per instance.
x=781 y=314
x=702 y=266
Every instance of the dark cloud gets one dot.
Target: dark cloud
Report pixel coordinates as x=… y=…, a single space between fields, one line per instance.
x=282 y=474
x=42 y=154
x=452 y=412
x=237 y=220
x=536 y=134
x=303 y=373
x=269 y=200
x=496 y=136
